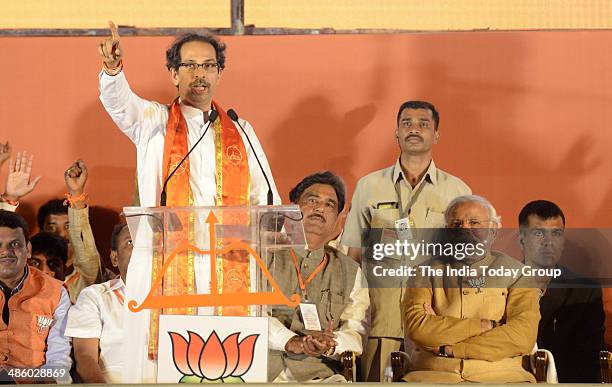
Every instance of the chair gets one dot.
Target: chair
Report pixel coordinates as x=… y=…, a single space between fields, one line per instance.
x=536 y=363
x=348 y=367
x=605 y=365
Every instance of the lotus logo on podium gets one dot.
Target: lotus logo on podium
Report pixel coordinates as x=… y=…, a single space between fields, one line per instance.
x=212 y=360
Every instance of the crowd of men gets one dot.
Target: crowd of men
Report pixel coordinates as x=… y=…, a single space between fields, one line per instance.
x=57 y=298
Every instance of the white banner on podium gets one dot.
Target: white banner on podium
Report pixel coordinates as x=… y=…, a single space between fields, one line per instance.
x=204 y=349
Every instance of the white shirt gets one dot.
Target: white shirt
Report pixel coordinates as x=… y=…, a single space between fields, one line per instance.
x=58 y=343
x=355 y=321
x=98 y=313
x=144 y=122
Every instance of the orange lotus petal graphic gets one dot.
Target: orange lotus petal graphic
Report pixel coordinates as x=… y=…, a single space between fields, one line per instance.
x=247 y=350
x=179 y=353
x=194 y=351
x=232 y=353
x=212 y=360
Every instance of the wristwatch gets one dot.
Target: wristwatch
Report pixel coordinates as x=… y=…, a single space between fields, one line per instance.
x=442 y=351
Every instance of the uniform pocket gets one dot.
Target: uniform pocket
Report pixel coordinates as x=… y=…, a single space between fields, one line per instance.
x=384 y=218
x=434 y=218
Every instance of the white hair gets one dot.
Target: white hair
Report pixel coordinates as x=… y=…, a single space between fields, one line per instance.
x=473 y=198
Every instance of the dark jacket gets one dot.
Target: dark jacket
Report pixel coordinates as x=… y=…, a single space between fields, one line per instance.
x=572 y=326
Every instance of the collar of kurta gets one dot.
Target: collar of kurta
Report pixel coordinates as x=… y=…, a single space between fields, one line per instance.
x=115 y=284
x=431 y=174
x=190 y=112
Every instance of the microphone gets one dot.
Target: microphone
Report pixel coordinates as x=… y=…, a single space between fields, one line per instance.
x=232 y=114
x=211 y=118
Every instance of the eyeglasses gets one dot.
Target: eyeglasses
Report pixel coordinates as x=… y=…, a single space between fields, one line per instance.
x=472 y=223
x=209 y=67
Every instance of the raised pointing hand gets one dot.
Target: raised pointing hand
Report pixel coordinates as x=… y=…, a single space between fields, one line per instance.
x=110 y=49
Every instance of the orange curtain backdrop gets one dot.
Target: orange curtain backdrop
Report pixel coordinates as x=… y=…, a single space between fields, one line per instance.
x=524 y=115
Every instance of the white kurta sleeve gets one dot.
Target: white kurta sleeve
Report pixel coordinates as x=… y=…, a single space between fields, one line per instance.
x=58 y=344
x=278 y=334
x=135 y=116
x=355 y=320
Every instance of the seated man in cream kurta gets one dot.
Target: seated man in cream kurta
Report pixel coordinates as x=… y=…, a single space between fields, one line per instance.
x=324 y=276
x=471 y=328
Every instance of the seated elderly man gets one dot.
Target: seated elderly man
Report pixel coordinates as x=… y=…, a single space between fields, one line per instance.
x=33 y=304
x=464 y=323
x=335 y=306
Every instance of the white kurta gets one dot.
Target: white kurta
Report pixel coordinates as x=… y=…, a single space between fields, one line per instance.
x=98 y=313
x=144 y=122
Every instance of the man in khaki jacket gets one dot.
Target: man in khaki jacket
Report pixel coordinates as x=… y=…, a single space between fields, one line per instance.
x=413 y=191
x=472 y=325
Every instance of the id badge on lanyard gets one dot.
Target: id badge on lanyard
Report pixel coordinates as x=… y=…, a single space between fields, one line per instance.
x=310 y=316
x=308 y=309
x=402 y=229
x=403 y=226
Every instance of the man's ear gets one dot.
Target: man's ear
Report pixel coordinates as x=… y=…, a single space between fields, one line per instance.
x=436 y=136
x=174 y=76
x=114 y=259
x=494 y=233
x=29 y=246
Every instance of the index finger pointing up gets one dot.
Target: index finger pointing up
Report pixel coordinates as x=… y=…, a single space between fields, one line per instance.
x=114 y=31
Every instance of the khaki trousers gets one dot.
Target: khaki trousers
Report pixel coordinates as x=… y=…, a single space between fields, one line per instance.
x=376 y=357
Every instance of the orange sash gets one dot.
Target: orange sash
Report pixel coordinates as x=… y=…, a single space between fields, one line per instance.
x=175 y=148
x=179 y=278
x=233 y=187
x=233 y=181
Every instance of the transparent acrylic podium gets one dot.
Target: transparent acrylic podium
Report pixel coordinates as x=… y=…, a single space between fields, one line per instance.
x=200 y=261
x=179 y=243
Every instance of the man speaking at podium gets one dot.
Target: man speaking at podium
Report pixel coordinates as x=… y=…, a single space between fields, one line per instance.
x=226 y=164
x=191 y=153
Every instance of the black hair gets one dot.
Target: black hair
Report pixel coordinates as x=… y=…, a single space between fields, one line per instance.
x=420 y=105
x=13 y=221
x=115 y=234
x=543 y=209
x=325 y=177
x=50 y=245
x=173 y=54
x=52 y=207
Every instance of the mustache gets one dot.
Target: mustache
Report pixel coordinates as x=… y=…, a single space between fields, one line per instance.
x=199 y=82
x=317 y=216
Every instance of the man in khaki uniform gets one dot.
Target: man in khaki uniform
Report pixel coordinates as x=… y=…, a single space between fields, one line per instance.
x=412 y=191
x=471 y=326
x=329 y=281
